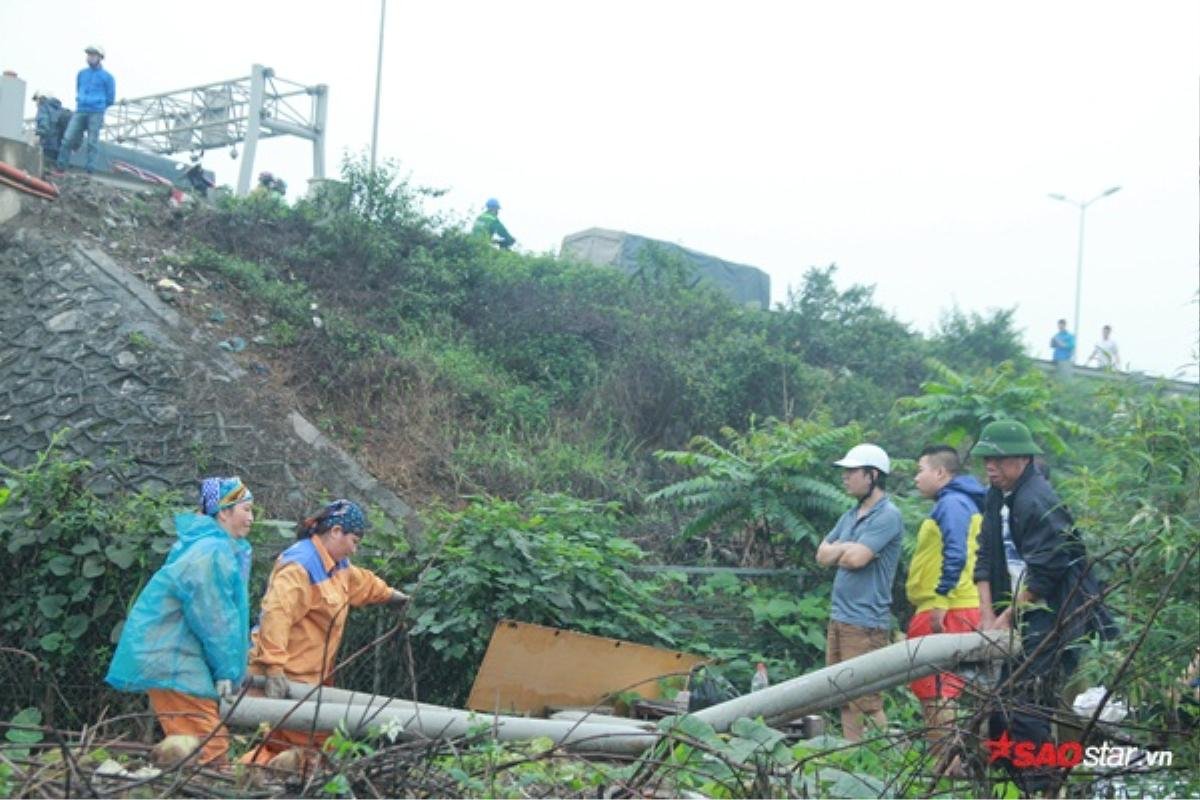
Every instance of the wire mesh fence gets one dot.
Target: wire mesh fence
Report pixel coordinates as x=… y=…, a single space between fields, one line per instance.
x=72 y=694
x=66 y=683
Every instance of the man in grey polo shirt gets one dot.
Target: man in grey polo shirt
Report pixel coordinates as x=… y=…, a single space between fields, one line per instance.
x=865 y=548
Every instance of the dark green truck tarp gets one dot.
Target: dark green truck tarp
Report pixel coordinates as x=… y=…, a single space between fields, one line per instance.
x=744 y=284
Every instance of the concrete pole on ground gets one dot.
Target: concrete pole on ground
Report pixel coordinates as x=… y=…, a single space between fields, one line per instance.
x=832 y=686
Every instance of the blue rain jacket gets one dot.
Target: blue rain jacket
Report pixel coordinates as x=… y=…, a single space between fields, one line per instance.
x=48 y=112
x=95 y=89
x=190 y=626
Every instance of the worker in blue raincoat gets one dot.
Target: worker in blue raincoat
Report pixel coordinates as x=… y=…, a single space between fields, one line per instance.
x=187 y=639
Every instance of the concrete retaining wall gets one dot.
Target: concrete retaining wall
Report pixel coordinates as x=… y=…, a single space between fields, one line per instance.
x=88 y=349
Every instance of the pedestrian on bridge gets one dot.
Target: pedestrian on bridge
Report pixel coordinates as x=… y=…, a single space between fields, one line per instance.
x=1105 y=354
x=1062 y=345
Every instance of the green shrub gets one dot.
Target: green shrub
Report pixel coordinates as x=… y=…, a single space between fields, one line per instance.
x=768 y=488
x=779 y=620
x=1137 y=502
x=82 y=559
x=565 y=458
x=552 y=560
x=955 y=406
x=972 y=342
x=290 y=302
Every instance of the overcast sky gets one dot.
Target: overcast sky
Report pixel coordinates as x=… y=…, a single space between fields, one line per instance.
x=914 y=144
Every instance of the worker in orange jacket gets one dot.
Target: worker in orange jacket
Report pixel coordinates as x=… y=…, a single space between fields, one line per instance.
x=311 y=589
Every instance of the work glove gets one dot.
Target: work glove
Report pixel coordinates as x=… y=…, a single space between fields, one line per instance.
x=224 y=688
x=277 y=687
x=398 y=599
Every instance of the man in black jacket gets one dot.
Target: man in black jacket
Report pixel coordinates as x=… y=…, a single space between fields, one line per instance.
x=1032 y=573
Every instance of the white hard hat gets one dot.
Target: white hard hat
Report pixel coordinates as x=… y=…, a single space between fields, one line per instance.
x=866 y=455
x=94 y=48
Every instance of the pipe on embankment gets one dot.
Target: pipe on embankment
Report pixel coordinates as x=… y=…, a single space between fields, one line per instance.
x=21 y=180
x=831 y=686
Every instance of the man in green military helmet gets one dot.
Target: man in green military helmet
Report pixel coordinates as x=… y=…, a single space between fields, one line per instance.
x=1033 y=574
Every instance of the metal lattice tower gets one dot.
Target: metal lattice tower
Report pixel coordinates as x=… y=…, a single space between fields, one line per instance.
x=224 y=114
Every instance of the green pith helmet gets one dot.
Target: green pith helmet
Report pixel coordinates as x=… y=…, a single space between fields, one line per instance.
x=1005 y=437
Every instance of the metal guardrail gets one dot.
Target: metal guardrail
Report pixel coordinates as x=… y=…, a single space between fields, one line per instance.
x=1095 y=374
x=221 y=114
x=742 y=572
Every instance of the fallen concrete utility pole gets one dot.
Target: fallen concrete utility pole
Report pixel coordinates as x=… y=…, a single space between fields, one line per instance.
x=331 y=694
x=894 y=665
x=419 y=721
x=832 y=686
x=581 y=715
x=328 y=694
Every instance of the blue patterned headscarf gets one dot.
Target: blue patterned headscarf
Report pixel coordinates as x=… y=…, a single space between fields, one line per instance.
x=346 y=513
x=218 y=494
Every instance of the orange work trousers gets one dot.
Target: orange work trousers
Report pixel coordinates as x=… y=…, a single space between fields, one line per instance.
x=182 y=714
x=281 y=741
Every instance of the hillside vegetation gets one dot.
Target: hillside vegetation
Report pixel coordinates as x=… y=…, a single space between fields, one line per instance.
x=457 y=368
x=560 y=426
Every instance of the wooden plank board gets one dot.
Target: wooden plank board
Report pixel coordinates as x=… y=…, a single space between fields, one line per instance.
x=530 y=667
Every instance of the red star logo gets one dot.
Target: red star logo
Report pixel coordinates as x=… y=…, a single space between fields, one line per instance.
x=999 y=748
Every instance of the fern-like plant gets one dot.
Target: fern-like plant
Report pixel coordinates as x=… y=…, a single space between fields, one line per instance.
x=770 y=486
x=956 y=406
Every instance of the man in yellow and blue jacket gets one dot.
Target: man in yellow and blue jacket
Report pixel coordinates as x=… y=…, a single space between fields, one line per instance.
x=940 y=584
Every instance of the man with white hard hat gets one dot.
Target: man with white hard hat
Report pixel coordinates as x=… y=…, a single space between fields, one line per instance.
x=95 y=91
x=864 y=546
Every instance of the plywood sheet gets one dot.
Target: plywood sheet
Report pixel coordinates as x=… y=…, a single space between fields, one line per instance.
x=529 y=667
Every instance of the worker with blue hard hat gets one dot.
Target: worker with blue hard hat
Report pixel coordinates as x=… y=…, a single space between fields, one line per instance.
x=488 y=225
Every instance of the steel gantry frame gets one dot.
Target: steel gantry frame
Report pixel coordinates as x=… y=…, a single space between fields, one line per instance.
x=224 y=114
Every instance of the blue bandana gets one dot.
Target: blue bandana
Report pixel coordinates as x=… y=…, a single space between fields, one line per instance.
x=218 y=494
x=347 y=514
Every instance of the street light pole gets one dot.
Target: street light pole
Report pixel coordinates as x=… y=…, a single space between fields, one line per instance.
x=1079 y=258
x=378 y=83
x=1078 y=281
